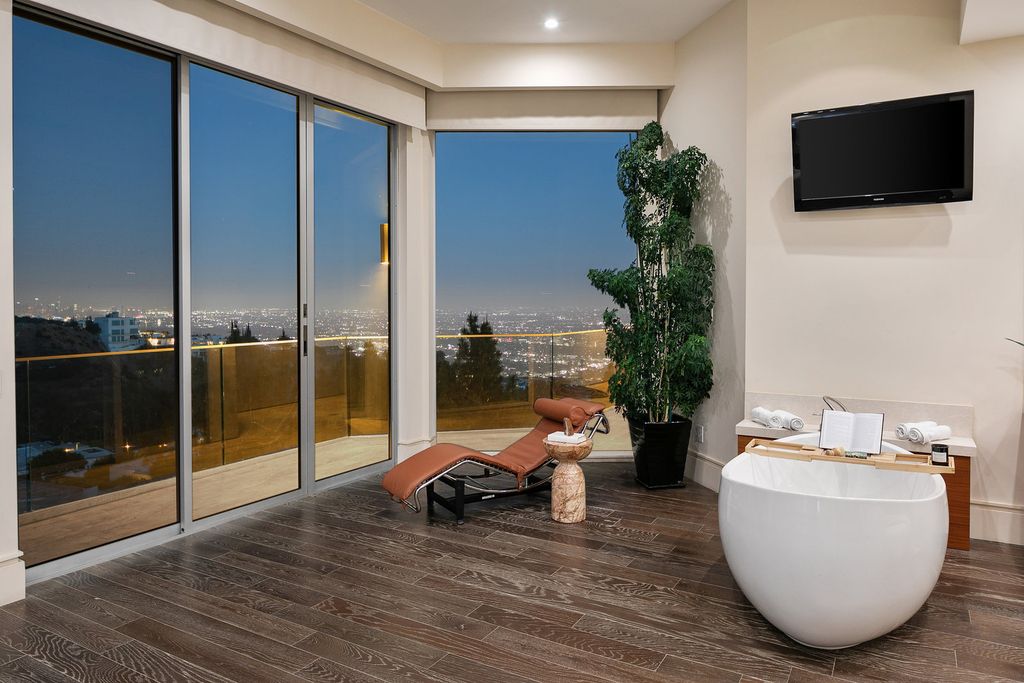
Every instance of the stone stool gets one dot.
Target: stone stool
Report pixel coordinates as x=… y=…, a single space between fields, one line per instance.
x=568 y=487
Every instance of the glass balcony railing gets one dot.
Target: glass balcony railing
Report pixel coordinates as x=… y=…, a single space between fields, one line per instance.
x=487 y=383
x=100 y=422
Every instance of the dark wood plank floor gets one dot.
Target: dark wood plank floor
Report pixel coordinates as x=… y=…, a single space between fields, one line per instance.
x=346 y=586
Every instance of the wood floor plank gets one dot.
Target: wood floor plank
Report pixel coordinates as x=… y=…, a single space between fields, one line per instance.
x=203 y=583
x=348 y=586
x=471 y=671
x=206 y=654
x=377 y=664
x=529 y=647
x=160 y=666
x=333 y=546
x=68 y=657
x=217 y=632
x=204 y=565
x=80 y=630
x=251 y=620
x=406 y=649
x=84 y=605
x=733 y=654
x=440 y=625
x=548 y=612
x=27 y=670
x=601 y=646
x=325 y=671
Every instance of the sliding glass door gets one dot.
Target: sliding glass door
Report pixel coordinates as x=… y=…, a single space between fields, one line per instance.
x=350 y=291
x=94 y=327
x=245 y=301
x=152 y=191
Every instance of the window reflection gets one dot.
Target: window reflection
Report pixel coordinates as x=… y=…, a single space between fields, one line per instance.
x=94 y=231
x=351 y=292
x=244 y=220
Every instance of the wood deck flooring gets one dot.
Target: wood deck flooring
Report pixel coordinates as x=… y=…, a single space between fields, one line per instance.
x=346 y=586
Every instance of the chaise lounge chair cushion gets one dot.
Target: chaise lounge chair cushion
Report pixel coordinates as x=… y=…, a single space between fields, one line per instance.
x=520 y=459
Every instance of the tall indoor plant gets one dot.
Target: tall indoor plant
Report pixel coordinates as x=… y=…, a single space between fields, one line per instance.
x=661 y=353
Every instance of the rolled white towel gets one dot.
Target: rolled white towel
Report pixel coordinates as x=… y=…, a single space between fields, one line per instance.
x=766 y=417
x=929 y=434
x=789 y=420
x=903 y=428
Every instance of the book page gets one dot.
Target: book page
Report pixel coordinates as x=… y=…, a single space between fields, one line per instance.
x=837 y=428
x=867 y=433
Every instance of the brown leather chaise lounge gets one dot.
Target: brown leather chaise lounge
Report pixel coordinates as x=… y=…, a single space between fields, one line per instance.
x=522 y=460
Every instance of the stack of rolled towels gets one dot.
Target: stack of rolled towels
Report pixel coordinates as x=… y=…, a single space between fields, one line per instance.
x=777 y=419
x=922 y=432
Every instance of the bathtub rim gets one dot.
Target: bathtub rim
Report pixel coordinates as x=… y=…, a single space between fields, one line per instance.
x=940 y=486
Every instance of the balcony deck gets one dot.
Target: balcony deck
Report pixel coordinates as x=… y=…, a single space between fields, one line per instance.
x=347 y=586
x=64 y=529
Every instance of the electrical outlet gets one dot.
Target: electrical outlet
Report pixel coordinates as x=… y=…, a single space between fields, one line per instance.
x=700 y=433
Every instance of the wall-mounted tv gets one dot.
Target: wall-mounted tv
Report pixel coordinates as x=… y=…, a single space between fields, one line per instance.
x=915 y=151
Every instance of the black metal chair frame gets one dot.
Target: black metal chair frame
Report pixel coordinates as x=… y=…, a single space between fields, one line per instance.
x=456 y=503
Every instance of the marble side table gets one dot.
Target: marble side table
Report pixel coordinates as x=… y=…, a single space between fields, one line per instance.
x=568 y=487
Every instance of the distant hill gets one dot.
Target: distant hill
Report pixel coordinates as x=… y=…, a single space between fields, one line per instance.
x=39 y=337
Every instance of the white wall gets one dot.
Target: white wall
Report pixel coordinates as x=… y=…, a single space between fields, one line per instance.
x=905 y=303
x=707 y=108
x=12 y=569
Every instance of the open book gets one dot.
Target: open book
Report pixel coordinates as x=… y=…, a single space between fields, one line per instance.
x=856 y=432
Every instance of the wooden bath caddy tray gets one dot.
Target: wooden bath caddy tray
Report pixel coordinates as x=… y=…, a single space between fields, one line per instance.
x=904 y=462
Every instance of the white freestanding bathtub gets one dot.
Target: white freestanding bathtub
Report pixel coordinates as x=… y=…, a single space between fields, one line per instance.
x=832 y=554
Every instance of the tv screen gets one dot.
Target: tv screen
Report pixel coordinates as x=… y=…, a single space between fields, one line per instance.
x=913 y=151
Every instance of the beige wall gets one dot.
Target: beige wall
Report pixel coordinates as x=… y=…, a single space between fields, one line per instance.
x=905 y=303
x=225 y=36
x=541 y=109
x=552 y=65
x=707 y=108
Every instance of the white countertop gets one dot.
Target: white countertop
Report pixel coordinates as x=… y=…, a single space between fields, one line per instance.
x=958 y=445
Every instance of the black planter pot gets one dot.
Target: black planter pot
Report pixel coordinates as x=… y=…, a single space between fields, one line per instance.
x=659 y=451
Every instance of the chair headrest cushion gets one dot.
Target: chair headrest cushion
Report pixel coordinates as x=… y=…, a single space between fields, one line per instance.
x=576 y=410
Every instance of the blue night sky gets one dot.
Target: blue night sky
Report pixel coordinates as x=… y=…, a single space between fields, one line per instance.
x=244 y=175
x=521 y=217
x=93 y=171
x=351 y=201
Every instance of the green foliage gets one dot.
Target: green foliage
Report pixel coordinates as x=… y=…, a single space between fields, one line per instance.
x=662 y=356
x=55 y=461
x=474 y=376
x=236 y=336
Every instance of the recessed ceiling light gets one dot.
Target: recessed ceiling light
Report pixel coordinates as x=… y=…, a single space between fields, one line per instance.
x=551 y=23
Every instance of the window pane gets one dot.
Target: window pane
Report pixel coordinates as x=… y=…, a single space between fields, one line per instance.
x=243 y=139
x=521 y=217
x=351 y=294
x=97 y=406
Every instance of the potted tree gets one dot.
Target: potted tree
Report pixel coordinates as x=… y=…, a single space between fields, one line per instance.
x=662 y=357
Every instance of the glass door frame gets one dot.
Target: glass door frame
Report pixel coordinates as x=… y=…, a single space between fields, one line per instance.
x=308 y=484
x=307 y=318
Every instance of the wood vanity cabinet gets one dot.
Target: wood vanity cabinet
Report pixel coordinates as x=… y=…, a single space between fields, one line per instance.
x=958 y=495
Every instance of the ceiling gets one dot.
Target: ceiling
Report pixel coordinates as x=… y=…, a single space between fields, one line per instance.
x=990 y=19
x=521 y=21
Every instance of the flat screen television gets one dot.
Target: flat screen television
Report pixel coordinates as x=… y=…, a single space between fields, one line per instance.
x=914 y=151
